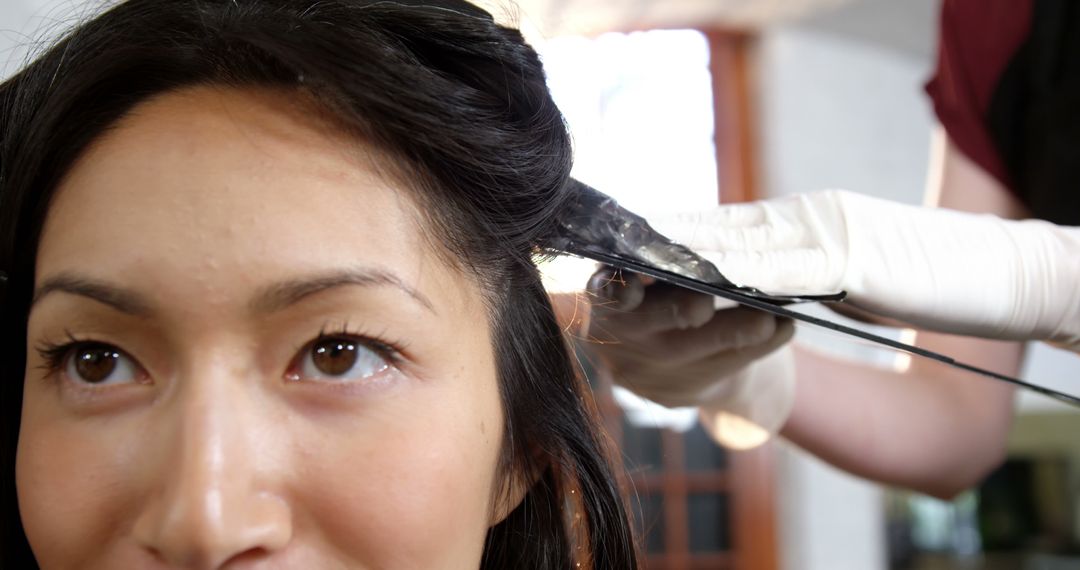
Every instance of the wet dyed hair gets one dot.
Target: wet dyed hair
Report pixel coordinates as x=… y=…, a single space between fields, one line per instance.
x=459 y=105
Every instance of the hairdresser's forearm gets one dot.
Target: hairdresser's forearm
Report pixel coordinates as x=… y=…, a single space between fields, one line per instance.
x=931 y=429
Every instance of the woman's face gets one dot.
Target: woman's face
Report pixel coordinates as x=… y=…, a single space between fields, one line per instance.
x=242 y=352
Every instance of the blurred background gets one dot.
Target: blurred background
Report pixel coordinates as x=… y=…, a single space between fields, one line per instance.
x=679 y=104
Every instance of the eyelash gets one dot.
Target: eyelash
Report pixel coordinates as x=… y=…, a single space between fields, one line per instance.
x=55 y=353
x=393 y=351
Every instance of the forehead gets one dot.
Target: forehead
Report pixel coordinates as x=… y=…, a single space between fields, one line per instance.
x=222 y=187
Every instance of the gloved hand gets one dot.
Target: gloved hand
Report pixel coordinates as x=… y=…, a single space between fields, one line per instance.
x=939 y=269
x=670 y=345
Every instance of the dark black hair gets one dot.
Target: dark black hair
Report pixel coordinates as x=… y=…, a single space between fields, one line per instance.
x=459 y=104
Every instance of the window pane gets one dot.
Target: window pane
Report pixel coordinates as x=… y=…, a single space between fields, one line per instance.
x=709 y=530
x=649 y=520
x=702 y=453
x=642 y=450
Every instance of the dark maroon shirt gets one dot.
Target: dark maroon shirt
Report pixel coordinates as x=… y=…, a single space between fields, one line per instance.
x=978 y=40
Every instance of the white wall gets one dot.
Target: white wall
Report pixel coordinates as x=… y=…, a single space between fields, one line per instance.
x=24 y=22
x=841 y=113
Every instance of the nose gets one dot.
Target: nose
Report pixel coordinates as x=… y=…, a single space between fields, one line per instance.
x=211 y=504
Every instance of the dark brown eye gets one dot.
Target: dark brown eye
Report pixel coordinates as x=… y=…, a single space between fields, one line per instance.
x=340 y=359
x=334 y=356
x=94 y=363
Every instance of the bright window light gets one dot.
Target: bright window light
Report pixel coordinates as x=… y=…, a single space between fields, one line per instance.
x=639 y=106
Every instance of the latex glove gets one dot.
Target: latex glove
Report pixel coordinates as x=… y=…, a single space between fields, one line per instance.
x=670 y=345
x=951 y=271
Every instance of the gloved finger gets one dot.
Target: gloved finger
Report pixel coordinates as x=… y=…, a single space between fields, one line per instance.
x=741 y=215
x=736 y=360
x=769 y=234
x=664 y=307
x=686 y=386
x=738 y=330
x=801 y=271
x=615 y=290
x=729 y=331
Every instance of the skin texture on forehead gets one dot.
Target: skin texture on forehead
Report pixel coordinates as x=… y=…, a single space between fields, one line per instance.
x=199 y=203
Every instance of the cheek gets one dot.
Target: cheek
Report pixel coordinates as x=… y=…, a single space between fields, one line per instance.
x=74 y=491
x=410 y=486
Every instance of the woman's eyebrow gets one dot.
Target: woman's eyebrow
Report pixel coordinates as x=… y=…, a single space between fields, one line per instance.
x=272 y=298
x=281 y=295
x=123 y=300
